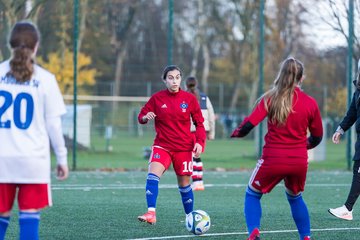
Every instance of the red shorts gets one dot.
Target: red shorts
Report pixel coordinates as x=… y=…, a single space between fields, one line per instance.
x=267 y=174
x=30 y=196
x=182 y=161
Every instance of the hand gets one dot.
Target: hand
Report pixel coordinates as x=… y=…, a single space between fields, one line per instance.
x=209 y=136
x=197 y=150
x=62 y=172
x=336 y=137
x=149 y=116
x=235 y=133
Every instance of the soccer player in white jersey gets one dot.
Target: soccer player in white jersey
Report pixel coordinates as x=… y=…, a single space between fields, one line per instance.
x=31 y=106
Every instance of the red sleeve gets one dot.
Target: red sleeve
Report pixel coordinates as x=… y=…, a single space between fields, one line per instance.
x=148 y=107
x=315 y=125
x=258 y=114
x=198 y=121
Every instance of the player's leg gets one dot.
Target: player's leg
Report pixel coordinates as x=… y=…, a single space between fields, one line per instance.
x=252 y=212
x=345 y=211
x=158 y=163
x=32 y=198
x=7 y=196
x=29 y=221
x=4 y=223
x=182 y=162
x=187 y=195
x=295 y=183
x=355 y=187
x=300 y=214
x=264 y=178
x=252 y=204
x=197 y=176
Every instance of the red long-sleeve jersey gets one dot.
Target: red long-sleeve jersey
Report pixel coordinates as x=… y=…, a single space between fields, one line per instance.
x=174 y=112
x=291 y=139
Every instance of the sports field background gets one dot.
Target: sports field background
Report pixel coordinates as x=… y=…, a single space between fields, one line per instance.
x=220 y=154
x=103 y=200
x=105 y=194
x=102 y=205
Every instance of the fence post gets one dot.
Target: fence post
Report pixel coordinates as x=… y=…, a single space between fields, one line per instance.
x=170 y=31
x=349 y=75
x=76 y=34
x=261 y=67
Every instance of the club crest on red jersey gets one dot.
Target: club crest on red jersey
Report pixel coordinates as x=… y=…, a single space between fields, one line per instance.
x=184 y=106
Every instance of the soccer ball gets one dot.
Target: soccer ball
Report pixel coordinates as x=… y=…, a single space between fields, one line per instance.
x=197 y=222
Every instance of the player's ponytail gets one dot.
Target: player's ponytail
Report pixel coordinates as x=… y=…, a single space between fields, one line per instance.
x=23 y=41
x=191 y=86
x=278 y=100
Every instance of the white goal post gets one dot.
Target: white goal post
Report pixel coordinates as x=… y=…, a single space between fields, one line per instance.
x=107 y=112
x=107 y=98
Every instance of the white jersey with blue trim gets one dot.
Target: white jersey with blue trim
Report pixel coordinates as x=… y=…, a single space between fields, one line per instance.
x=24 y=140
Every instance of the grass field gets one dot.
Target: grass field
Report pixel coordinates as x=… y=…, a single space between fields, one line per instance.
x=226 y=154
x=102 y=199
x=103 y=205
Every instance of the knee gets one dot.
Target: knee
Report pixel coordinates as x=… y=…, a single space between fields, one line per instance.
x=32 y=210
x=5 y=214
x=250 y=191
x=292 y=196
x=183 y=181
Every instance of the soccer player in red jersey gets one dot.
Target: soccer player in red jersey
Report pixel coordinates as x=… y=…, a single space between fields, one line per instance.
x=172 y=110
x=291 y=114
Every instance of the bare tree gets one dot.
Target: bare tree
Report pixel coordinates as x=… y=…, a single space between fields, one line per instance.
x=334 y=15
x=200 y=43
x=83 y=14
x=13 y=11
x=120 y=17
x=246 y=11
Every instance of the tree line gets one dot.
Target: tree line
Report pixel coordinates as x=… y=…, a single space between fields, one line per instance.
x=123 y=45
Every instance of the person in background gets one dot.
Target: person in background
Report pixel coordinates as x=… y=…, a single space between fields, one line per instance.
x=228 y=123
x=207 y=111
x=172 y=110
x=290 y=113
x=352 y=116
x=31 y=108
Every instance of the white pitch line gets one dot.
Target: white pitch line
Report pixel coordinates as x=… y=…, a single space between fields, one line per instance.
x=164 y=186
x=243 y=233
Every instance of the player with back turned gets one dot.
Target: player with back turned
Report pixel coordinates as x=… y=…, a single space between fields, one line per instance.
x=31 y=106
x=291 y=114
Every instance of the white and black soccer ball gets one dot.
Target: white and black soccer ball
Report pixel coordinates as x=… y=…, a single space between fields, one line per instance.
x=198 y=222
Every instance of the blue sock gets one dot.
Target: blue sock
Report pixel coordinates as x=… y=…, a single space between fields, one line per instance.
x=29 y=225
x=4 y=223
x=300 y=214
x=252 y=209
x=152 y=190
x=187 y=198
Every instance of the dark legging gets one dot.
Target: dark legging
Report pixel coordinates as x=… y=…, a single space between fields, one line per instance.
x=355 y=187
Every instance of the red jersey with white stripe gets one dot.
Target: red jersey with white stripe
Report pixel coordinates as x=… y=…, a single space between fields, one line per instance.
x=290 y=139
x=172 y=122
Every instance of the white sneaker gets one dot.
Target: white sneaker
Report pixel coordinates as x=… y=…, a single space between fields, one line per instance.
x=341 y=212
